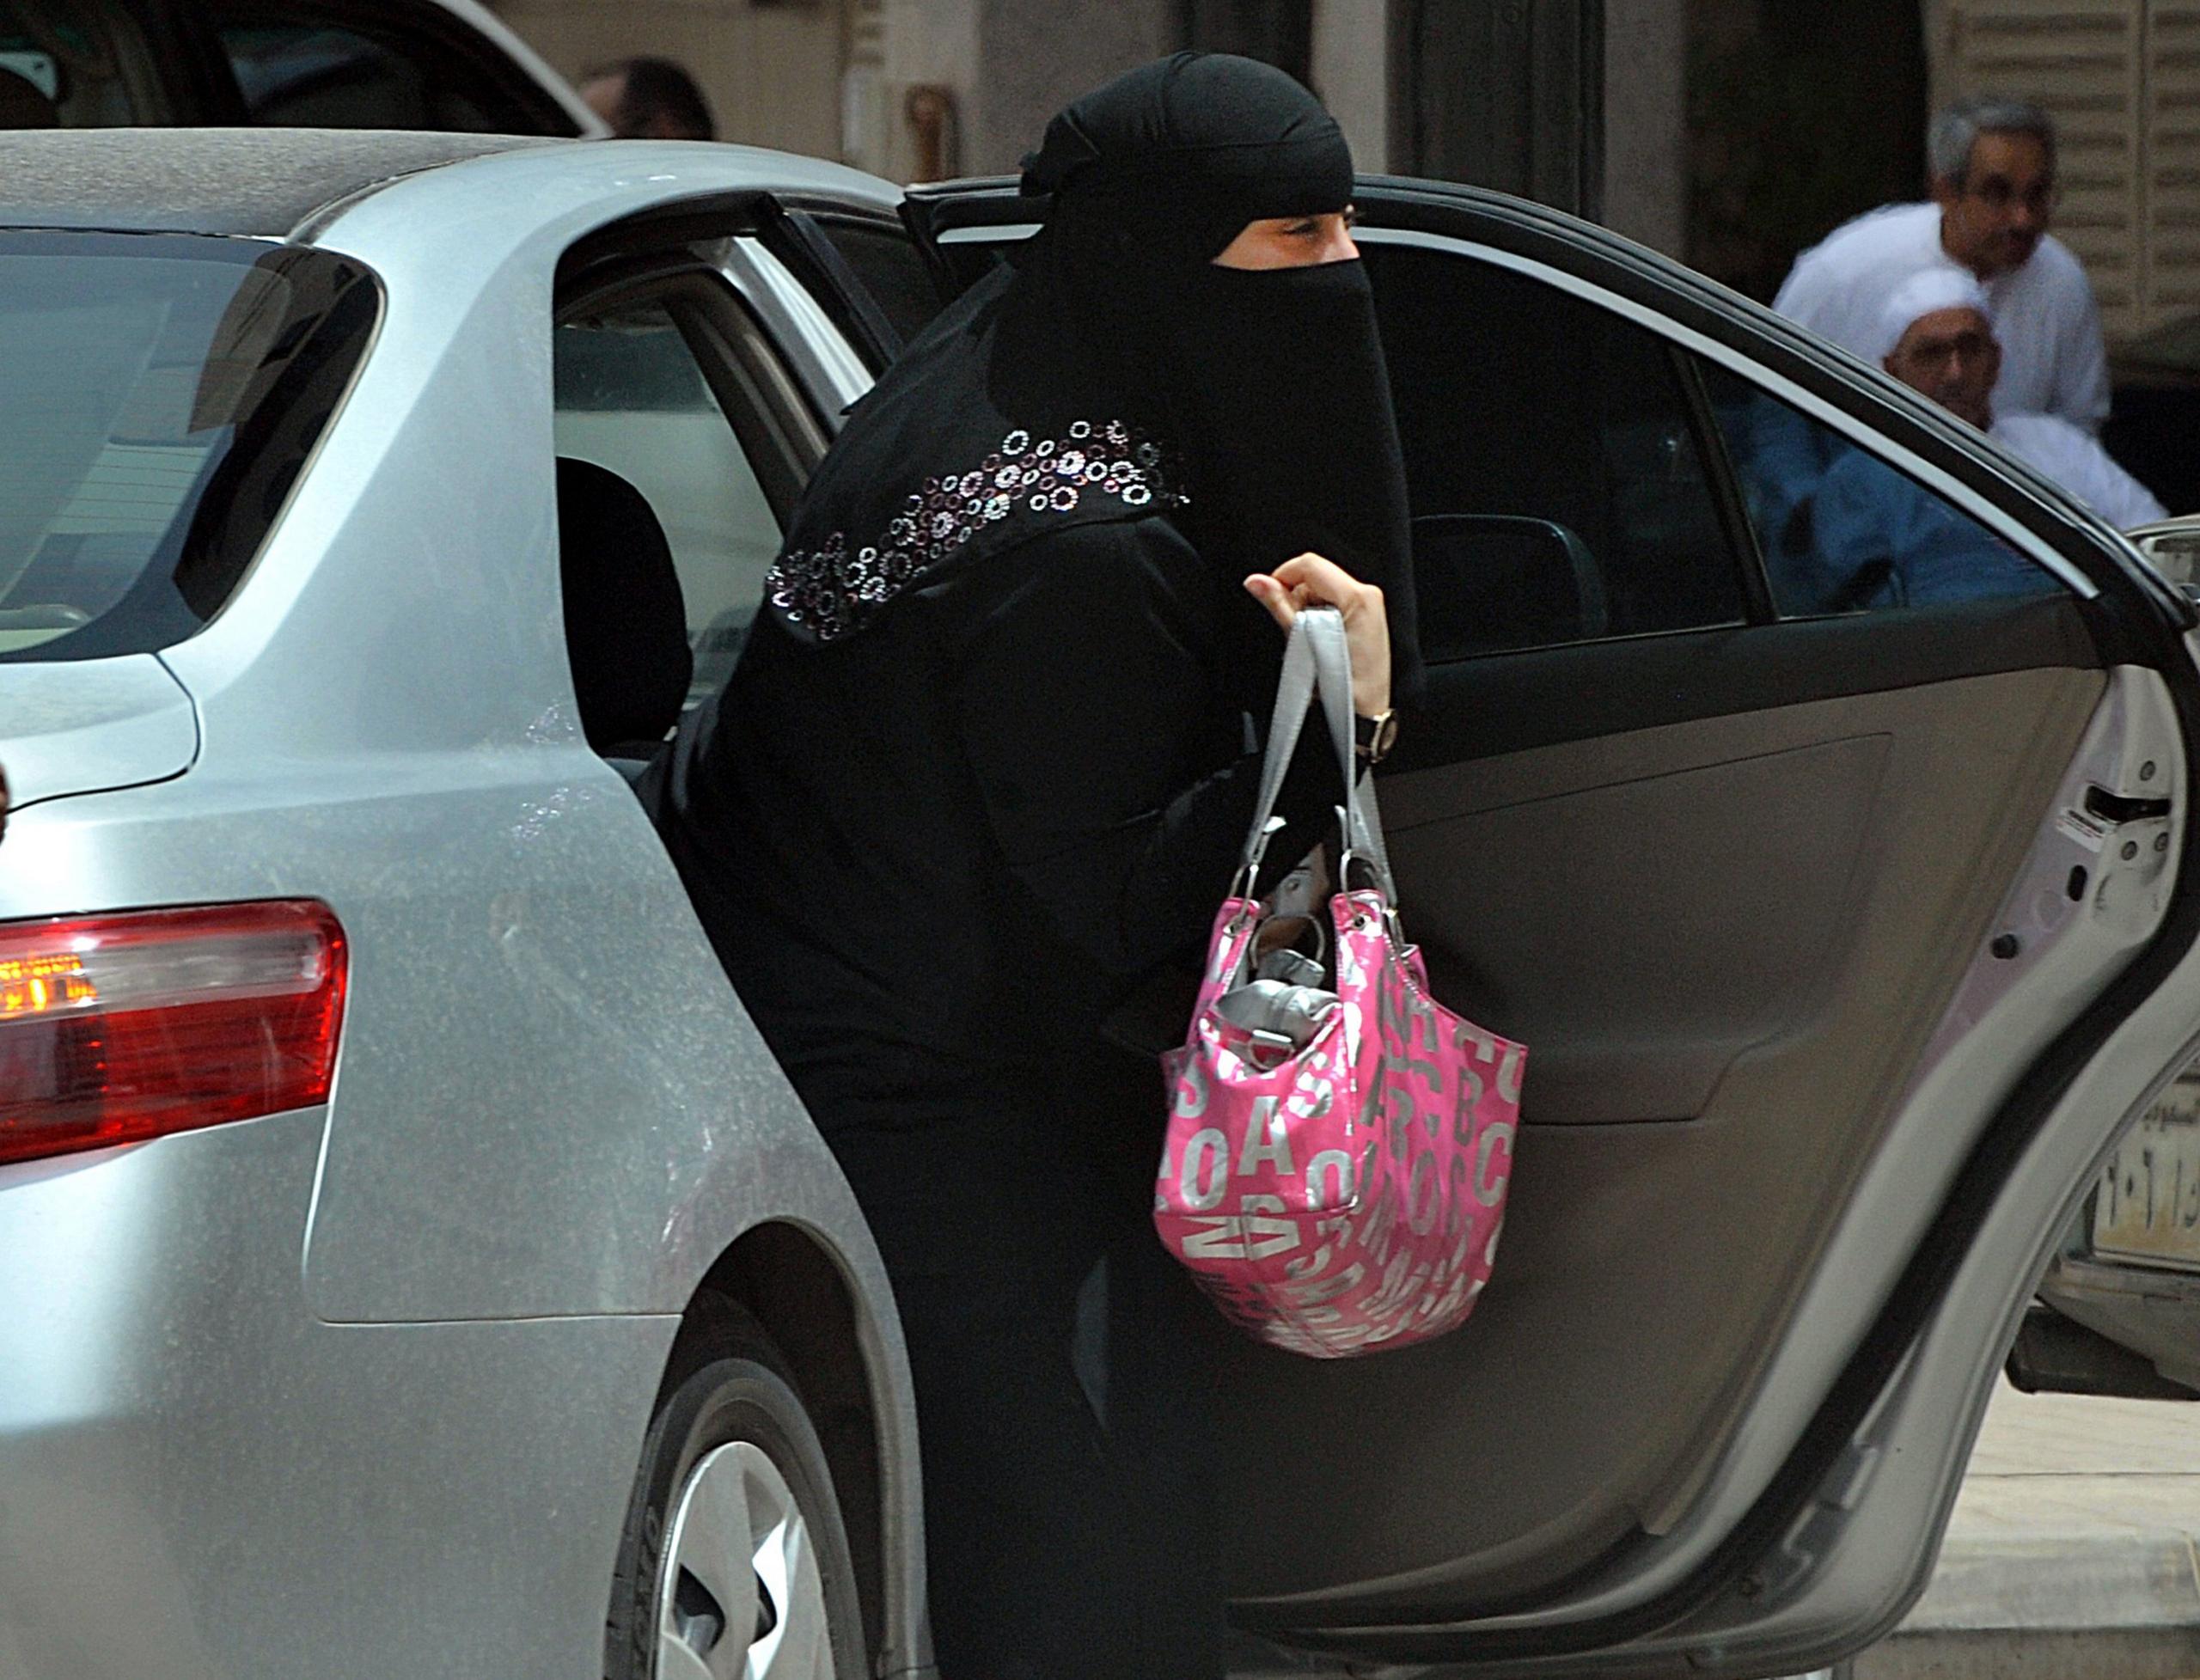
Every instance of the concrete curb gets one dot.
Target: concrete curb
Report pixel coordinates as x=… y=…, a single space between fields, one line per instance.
x=2089 y=1606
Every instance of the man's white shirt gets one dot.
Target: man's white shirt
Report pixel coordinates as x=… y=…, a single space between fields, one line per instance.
x=2053 y=361
x=2076 y=461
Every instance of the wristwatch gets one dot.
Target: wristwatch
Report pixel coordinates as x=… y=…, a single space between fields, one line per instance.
x=1374 y=736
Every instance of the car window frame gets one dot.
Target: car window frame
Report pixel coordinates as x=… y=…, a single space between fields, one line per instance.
x=794 y=230
x=834 y=222
x=722 y=230
x=1690 y=406
x=1727 y=491
x=987 y=212
x=771 y=417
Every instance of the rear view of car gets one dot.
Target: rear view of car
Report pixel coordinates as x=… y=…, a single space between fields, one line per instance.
x=383 y=1149
x=164 y=392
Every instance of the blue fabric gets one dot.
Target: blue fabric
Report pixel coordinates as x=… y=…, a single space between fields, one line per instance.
x=1844 y=532
x=1881 y=539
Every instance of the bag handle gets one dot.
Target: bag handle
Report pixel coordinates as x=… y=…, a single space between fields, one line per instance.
x=1317 y=661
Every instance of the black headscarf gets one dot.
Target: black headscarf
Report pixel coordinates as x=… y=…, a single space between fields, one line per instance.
x=1114 y=371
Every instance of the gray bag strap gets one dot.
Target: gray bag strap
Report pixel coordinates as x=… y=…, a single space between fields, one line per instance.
x=1317 y=661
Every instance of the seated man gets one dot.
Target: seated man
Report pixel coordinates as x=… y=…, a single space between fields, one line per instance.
x=1881 y=539
x=1936 y=336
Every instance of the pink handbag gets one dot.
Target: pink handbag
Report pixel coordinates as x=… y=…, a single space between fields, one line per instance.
x=1337 y=1153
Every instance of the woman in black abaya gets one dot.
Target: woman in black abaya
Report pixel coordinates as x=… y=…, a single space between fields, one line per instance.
x=985 y=768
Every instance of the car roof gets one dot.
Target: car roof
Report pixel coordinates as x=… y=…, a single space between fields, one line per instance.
x=214 y=181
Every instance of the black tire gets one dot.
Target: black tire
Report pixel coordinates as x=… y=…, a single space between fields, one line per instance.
x=727 y=1384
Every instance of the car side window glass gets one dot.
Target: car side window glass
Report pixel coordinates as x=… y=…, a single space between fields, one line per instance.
x=632 y=398
x=1841 y=530
x=313 y=74
x=887 y=260
x=1555 y=465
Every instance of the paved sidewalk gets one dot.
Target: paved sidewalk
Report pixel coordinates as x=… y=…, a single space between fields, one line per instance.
x=2072 y=1552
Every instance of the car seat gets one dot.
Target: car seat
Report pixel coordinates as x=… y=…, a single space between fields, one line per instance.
x=625 y=622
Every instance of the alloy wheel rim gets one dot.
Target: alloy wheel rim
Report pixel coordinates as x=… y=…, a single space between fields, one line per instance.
x=740 y=1597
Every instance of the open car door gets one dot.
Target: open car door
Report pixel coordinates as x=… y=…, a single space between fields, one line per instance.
x=1806 y=786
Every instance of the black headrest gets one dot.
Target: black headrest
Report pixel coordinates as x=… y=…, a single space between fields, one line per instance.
x=626 y=623
x=23 y=103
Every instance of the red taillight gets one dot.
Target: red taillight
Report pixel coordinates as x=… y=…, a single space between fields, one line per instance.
x=117 y=1029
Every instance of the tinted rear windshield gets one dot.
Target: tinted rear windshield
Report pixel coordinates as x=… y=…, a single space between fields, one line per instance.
x=163 y=394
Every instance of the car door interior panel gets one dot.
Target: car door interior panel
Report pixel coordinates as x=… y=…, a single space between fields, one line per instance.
x=1725 y=942
x=1722 y=872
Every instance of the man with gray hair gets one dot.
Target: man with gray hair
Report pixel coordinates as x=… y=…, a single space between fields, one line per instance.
x=1993 y=165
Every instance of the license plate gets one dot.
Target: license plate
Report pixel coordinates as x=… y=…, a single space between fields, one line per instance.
x=2149 y=1207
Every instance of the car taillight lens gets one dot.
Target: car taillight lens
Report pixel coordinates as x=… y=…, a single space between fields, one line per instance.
x=117 y=1028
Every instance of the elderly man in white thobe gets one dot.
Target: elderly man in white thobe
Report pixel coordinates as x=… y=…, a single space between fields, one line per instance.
x=1993 y=168
x=1936 y=332
x=1878 y=539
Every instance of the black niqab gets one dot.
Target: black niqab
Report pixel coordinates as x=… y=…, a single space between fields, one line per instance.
x=1113 y=372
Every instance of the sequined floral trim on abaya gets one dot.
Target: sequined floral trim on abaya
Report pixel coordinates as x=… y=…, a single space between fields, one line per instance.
x=832 y=590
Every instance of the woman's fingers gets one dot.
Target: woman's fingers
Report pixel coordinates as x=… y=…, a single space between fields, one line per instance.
x=1281 y=601
x=1307 y=578
x=1312 y=577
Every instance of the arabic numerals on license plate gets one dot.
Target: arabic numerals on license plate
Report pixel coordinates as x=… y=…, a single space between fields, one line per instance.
x=2148 y=1203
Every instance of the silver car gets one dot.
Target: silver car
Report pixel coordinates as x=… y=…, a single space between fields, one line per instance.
x=411 y=1262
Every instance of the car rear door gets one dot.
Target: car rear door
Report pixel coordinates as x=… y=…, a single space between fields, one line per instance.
x=1786 y=858
x=1806 y=789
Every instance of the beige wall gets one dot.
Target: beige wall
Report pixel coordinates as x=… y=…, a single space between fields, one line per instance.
x=1646 y=121
x=915 y=43
x=1351 y=73
x=772 y=71
x=1035 y=58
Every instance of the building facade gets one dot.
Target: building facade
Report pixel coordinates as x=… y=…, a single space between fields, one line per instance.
x=1578 y=102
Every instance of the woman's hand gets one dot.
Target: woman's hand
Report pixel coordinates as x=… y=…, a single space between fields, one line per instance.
x=1311 y=580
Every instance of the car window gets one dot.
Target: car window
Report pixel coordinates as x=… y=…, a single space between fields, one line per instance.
x=89 y=62
x=1841 y=530
x=164 y=392
x=297 y=69
x=1556 y=463
x=632 y=398
x=887 y=260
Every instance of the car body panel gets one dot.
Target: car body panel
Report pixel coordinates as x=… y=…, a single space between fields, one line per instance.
x=94 y=724
x=544 y=1131
x=239 y=1507
x=439 y=767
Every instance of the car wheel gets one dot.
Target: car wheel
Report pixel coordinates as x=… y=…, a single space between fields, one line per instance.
x=734 y=1561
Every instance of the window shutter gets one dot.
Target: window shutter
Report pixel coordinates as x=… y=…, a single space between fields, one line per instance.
x=2087 y=62
x=2170 y=151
